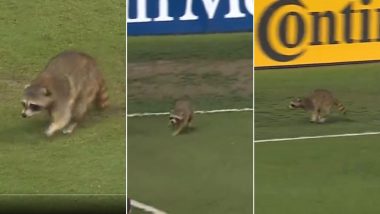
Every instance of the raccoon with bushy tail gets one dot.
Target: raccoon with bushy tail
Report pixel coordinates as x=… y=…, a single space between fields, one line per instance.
x=319 y=103
x=181 y=115
x=67 y=87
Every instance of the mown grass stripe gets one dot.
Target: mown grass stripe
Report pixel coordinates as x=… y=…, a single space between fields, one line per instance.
x=197 y=112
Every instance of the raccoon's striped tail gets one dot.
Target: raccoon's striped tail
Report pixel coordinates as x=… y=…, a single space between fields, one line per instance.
x=102 y=96
x=340 y=106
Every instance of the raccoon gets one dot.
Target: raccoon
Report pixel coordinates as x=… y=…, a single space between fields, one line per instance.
x=181 y=116
x=319 y=103
x=66 y=88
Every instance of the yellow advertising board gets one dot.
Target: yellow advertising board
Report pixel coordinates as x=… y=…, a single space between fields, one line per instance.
x=303 y=32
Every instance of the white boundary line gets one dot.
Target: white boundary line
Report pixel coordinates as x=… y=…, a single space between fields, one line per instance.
x=316 y=137
x=146 y=208
x=197 y=112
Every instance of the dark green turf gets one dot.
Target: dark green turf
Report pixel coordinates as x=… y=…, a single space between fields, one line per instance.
x=336 y=175
x=356 y=86
x=62 y=204
x=329 y=175
x=228 y=46
x=92 y=160
x=191 y=49
x=208 y=169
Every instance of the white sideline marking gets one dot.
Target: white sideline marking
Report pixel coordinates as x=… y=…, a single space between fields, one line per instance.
x=315 y=137
x=146 y=208
x=197 y=112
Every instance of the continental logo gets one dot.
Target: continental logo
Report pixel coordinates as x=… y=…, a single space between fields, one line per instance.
x=291 y=32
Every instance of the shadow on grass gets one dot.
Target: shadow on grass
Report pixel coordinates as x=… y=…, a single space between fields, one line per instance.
x=31 y=130
x=186 y=131
x=26 y=132
x=330 y=120
x=189 y=130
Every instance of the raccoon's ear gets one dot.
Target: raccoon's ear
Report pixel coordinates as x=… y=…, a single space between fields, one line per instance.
x=46 y=92
x=26 y=86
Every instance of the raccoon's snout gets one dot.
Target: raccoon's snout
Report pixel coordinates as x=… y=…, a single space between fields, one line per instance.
x=26 y=113
x=173 y=121
x=292 y=106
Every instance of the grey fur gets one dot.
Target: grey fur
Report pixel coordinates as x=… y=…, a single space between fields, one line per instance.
x=66 y=88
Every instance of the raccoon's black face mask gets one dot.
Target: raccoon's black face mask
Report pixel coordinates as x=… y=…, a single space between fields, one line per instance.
x=35 y=100
x=30 y=109
x=35 y=107
x=296 y=103
x=174 y=119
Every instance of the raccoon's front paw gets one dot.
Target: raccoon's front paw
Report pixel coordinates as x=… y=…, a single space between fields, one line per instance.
x=49 y=132
x=52 y=129
x=69 y=129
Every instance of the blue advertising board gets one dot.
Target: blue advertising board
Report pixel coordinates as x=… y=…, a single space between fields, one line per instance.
x=158 y=17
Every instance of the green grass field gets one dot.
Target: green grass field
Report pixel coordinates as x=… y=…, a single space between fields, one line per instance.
x=330 y=175
x=209 y=168
x=203 y=168
x=92 y=160
x=216 y=66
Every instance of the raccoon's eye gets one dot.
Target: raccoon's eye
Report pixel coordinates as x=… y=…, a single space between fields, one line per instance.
x=35 y=107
